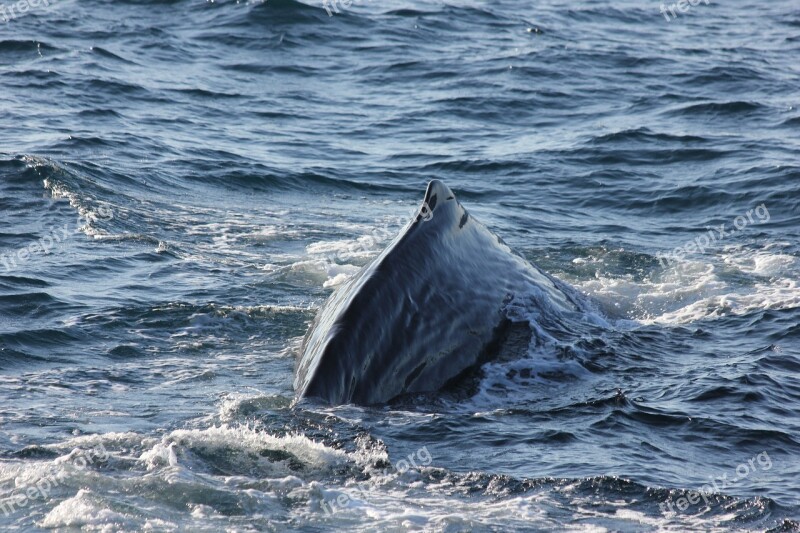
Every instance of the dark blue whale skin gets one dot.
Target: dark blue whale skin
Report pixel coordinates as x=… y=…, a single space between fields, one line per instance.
x=428 y=308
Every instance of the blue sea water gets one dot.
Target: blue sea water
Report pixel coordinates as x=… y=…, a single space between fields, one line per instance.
x=184 y=182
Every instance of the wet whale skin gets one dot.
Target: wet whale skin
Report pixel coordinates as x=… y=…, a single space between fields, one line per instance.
x=424 y=311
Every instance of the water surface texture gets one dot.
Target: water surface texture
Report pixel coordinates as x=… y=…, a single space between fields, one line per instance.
x=183 y=183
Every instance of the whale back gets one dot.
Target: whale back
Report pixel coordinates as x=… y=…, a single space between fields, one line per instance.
x=424 y=311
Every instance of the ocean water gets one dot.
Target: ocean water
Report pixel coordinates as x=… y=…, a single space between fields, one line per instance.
x=183 y=183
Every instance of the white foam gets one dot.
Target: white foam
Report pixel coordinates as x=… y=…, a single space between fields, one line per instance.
x=89 y=210
x=86 y=511
x=763 y=263
x=245 y=443
x=341 y=259
x=85 y=442
x=183 y=468
x=737 y=281
x=337 y=280
x=235 y=404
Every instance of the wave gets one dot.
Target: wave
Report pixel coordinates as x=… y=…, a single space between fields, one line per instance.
x=647 y=136
x=107 y=54
x=45 y=339
x=791 y=122
x=725 y=76
x=15 y=49
x=32 y=305
x=290 y=12
x=734 y=108
x=218 y=470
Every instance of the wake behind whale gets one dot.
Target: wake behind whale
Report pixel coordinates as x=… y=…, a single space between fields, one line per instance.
x=440 y=300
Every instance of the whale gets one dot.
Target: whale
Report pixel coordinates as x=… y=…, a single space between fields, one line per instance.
x=443 y=298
